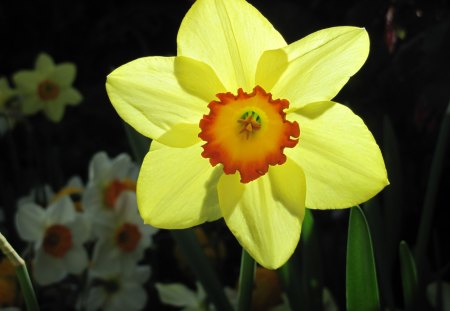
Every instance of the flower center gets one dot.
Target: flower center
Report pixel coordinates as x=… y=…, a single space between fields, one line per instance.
x=48 y=90
x=247 y=132
x=127 y=237
x=57 y=240
x=250 y=122
x=115 y=188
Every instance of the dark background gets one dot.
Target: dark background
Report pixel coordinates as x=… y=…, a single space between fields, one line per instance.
x=407 y=81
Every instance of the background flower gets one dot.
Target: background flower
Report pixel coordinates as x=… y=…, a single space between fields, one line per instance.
x=118 y=289
x=57 y=234
x=48 y=87
x=122 y=235
x=108 y=178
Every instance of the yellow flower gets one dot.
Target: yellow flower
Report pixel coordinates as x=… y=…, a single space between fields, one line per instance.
x=48 y=87
x=244 y=128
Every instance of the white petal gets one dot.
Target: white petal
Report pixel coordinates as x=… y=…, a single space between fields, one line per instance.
x=100 y=163
x=76 y=259
x=30 y=222
x=61 y=212
x=176 y=294
x=48 y=269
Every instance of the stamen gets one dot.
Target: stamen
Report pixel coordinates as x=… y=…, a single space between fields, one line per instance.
x=250 y=122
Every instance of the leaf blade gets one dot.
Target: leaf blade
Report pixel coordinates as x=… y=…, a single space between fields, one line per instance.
x=361 y=277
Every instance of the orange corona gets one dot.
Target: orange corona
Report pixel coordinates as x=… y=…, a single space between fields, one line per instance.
x=57 y=240
x=247 y=132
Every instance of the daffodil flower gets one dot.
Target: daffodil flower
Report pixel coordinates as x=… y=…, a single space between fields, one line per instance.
x=48 y=87
x=58 y=235
x=122 y=236
x=108 y=178
x=244 y=128
x=119 y=288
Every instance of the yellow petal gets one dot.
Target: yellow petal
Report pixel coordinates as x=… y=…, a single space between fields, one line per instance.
x=147 y=95
x=54 y=110
x=265 y=215
x=27 y=80
x=64 y=74
x=71 y=96
x=44 y=63
x=342 y=162
x=198 y=78
x=176 y=187
x=229 y=36
x=318 y=66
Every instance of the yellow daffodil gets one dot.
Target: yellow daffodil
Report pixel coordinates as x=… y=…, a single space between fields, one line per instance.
x=244 y=128
x=48 y=87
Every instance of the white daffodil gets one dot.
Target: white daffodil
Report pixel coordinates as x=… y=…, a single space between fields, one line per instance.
x=45 y=195
x=122 y=235
x=108 y=178
x=118 y=289
x=58 y=234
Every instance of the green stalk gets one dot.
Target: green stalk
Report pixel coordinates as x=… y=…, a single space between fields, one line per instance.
x=423 y=234
x=22 y=274
x=246 y=278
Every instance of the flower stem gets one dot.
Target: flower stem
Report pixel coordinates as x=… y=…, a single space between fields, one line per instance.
x=22 y=274
x=246 y=278
x=432 y=188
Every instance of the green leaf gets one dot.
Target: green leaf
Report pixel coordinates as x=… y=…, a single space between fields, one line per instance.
x=361 y=276
x=373 y=212
x=409 y=276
